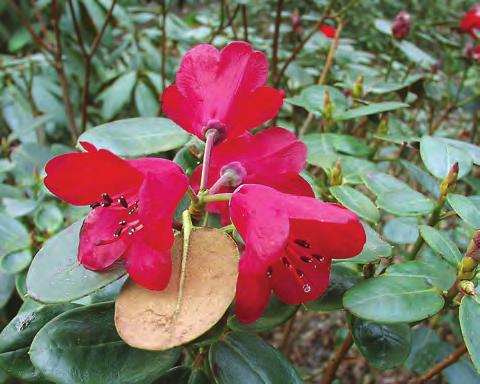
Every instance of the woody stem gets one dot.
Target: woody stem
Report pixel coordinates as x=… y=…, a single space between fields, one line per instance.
x=210 y=137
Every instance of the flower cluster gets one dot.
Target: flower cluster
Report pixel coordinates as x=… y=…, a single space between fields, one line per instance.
x=470 y=24
x=290 y=237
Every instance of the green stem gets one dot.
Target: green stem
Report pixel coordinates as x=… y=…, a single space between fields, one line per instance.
x=187 y=231
x=215 y=198
x=392 y=59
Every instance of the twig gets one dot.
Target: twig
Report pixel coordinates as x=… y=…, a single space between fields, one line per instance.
x=39 y=19
x=287 y=330
x=325 y=71
x=164 y=46
x=276 y=33
x=221 y=25
x=438 y=368
x=230 y=19
x=336 y=359
x=245 y=22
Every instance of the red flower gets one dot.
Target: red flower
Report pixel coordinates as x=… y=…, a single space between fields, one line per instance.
x=401 y=26
x=472 y=52
x=273 y=157
x=471 y=21
x=133 y=203
x=221 y=90
x=289 y=244
x=328 y=31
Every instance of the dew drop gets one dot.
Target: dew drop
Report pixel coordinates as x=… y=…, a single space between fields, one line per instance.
x=307 y=288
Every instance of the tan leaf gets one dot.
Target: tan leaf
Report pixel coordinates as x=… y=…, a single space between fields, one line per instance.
x=146 y=319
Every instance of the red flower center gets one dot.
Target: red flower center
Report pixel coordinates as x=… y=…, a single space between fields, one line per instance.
x=128 y=223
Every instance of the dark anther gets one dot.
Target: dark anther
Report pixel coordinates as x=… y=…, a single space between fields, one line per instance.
x=286 y=262
x=302 y=243
x=123 y=202
x=131 y=231
x=306 y=259
x=123 y=222
x=118 y=232
x=95 y=205
x=106 y=204
x=318 y=257
x=299 y=273
x=107 y=198
x=269 y=272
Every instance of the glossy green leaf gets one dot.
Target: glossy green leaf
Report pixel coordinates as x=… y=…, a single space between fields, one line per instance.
x=13 y=236
x=379 y=183
x=405 y=203
x=311 y=98
x=415 y=54
x=17 y=336
x=371 y=109
x=441 y=244
x=276 y=314
x=342 y=278
x=7 y=285
x=48 y=218
x=375 y=248
x=341 y=143
x=356 y=202
x=427 y=182
x=183 y=375
x=472 y=149
x=145 y=101
x=440 y=275
x=393 y=299
x=118 y=94
x=243 y=357
x=136 y=137
x=58 y=351
x=401 y=230
x=439 y=157
x=465 y=208
x=18 y=207
x=469 y=315
x=385 y=346
x=16 y=261
x=56 y=276
x=29 y=158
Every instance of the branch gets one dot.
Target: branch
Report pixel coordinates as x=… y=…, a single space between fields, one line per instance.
x=336 y=359
x=77 y=29
x=98 y=38
x=438 y=368
x=245 y=22
x=164 y=46
x=276 y=33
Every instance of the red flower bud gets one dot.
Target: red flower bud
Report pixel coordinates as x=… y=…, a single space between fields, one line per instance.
x=401 y=26
x=297 y=22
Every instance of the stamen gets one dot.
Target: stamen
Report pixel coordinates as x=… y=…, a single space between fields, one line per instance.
x=107 y=204
x=299 y=272
x=302 y=243
x=269 y=272
x=107 y=198
x=95 y=205
x=123 y=222
x=118 y=232
x=131 y=231
x=319 y=258
x=286 y=262
x=306 y=259
x=123 y=201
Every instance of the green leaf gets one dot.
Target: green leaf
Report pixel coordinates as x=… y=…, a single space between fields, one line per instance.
x=379 y=183
x=7 y=285
x=13 y=236
x=58 y=351
x=426 y=181
x=371 y=109
x=401 y=230
x=48 y=218
x=18 y=207
x=441 y=244
x=465 y=208
x=276 y=314
x=145 y=101
x=375 y=248
x=184 y=375
x=357 y=202
x=16 y=261
x=439 y=157
x=17 y=336
x=472 y=149
x=415 y=54
x=393 y=299
x=440 y=275
x=405 y=203
x=118 y=94
x=311 y=98
x=243 y=357
x=55 y=275
x=469 y=315
x=137 y=137
x=29 y=158
x=384 y=26
x=342 y=143
x=385 y=346
x=342 y=278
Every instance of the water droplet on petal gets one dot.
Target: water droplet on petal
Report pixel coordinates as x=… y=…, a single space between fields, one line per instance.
x=307 y=288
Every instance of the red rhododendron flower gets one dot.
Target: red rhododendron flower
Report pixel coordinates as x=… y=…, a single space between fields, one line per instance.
x=289 y=244
x=221 y=90
x=328 y=31
x=472 y=52
x=273 y=157
x=401 y=26
x=471 y=21
x=133 y=204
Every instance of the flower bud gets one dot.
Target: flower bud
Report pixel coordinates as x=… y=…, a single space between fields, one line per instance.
x=466 y=287
x=357 y=91
x=327 y=106
x=450 y=182
x=297 y=22
x=469 y=263
x=382 y=128
x=401 y=26
x=336 y=177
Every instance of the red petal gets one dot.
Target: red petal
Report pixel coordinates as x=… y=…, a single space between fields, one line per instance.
x=100 y=225
x=179 y=109
x=291 y=289
x=147 y=263
x=328 y=31
x=81 y=178
x=253 y=293
x=291 y=183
